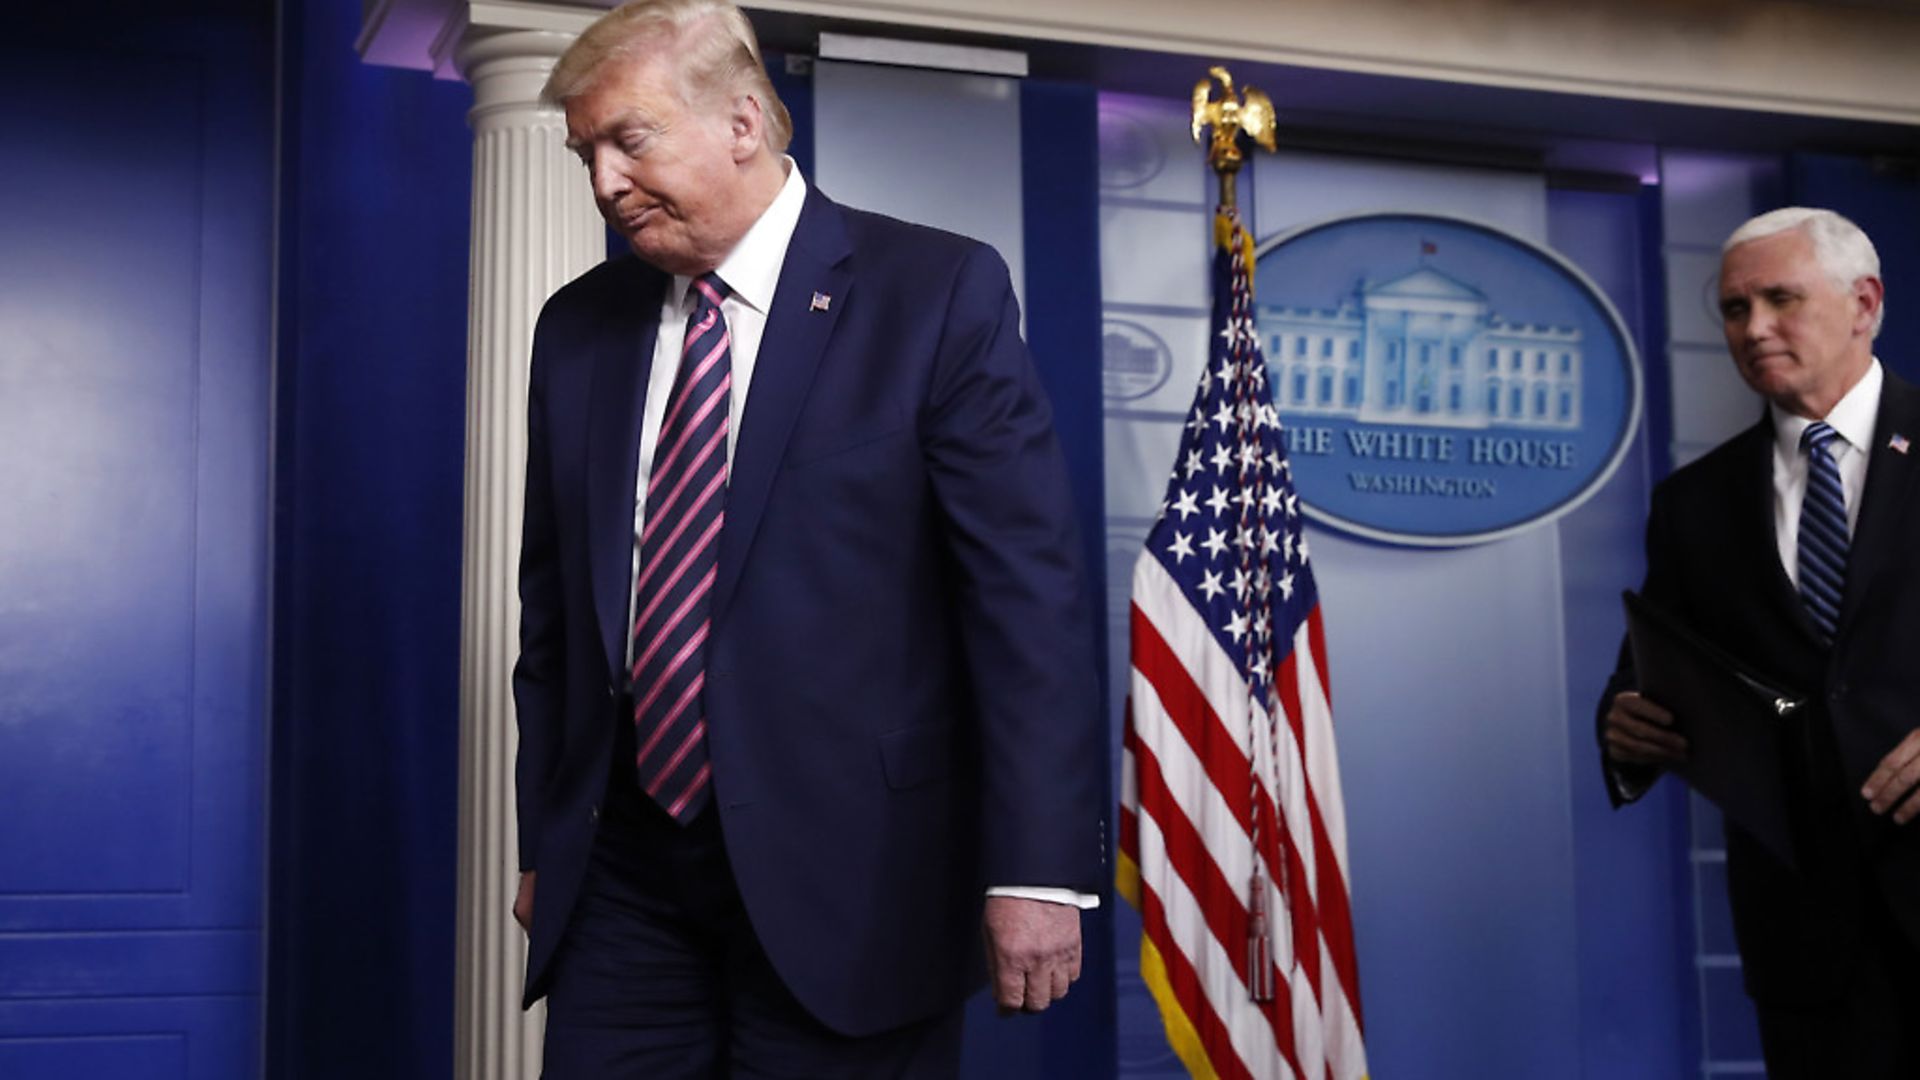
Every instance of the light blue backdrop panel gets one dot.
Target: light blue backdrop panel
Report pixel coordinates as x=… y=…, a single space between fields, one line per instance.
x=938 y=147
x=1154 y=267
x=134 y=369
x=1449 y=703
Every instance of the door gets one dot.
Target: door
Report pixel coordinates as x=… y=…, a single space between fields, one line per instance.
x=135 y=259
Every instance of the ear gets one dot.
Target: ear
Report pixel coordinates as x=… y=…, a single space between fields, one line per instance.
x=748 y=127
x=1868 y=294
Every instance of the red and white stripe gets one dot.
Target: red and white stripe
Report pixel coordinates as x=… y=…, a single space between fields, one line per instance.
x=1186 y=802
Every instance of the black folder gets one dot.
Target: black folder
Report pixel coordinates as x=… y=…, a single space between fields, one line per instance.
x=1733 y=720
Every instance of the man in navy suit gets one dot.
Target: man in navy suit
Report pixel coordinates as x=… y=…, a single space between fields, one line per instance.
x=1792 y=547
x=807 y=694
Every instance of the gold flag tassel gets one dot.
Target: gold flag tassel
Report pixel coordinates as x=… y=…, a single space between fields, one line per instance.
x=1259 y=943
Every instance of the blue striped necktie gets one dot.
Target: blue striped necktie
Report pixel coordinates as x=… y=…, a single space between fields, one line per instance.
x=1823 y=532
x=679 y=551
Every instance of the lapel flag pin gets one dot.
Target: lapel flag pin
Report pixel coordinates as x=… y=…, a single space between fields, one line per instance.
x=1898 y=443
x=821 y=301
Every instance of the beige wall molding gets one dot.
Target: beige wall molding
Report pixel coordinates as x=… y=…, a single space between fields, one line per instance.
x=1835 y=58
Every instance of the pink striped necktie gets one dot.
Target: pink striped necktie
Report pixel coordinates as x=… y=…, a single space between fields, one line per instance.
x=679 y=550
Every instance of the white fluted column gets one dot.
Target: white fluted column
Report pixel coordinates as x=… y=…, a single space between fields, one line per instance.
x=534 y=229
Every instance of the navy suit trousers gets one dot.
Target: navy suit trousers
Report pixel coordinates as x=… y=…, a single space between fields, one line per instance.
x=660 y=974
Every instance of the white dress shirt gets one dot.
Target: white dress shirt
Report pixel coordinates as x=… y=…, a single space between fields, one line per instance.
x=751 y=271
x=1852 y=419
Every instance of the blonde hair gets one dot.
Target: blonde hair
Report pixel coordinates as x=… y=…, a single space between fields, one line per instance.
x=710 y=44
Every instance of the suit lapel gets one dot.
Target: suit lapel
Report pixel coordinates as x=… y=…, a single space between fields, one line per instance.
x=796 y=337
x=1883 y=502
x=623 y=354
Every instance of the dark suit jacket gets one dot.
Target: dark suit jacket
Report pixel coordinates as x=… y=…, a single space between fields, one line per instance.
x=902 y=690
x=1712 y=560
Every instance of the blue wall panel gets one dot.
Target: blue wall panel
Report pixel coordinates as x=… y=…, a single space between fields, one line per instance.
x=125 y=1057
x=134 y=367
x=202 y=1037
x=105 y=409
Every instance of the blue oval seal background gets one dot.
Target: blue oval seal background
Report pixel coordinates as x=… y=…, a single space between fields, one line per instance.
x=1349 y=305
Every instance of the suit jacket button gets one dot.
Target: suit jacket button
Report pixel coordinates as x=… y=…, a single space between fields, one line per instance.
x=593 y=814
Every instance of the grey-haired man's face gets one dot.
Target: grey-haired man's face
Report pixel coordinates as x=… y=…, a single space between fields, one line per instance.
x=1797 y=337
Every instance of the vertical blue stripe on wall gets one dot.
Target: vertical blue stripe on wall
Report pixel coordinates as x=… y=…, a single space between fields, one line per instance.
x=1633 y=937
x=370 y=415
x=1884 y=201
x=1060 y=170
x=1656 y=419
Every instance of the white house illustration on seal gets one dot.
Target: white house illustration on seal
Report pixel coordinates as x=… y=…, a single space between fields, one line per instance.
x=1422 y=349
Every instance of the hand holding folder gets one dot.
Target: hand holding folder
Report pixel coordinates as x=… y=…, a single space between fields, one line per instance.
x=1733 y=721
x=1638 y=732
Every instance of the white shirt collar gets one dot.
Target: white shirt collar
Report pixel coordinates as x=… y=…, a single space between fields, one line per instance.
x=1852 y=417
x=752 y=268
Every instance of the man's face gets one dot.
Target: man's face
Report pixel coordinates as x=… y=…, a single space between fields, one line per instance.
x=665 y=174
x=1798 y=339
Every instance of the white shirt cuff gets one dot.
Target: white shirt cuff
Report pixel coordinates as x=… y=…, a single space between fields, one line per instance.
x=1625 y=789
x=1083 y=901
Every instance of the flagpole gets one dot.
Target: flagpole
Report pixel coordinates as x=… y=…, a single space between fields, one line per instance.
x=1250 y=113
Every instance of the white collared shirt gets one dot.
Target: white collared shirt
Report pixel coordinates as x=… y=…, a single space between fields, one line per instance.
x=751 y=270
x=1853 y=419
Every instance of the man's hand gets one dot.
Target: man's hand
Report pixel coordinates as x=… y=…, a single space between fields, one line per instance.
x=523 y=903
x=1033 y=951
x=1895 y=779
x=1638 y=732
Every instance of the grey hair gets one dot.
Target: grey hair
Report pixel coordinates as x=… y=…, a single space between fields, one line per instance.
x=709 y=42
x=1843 y=250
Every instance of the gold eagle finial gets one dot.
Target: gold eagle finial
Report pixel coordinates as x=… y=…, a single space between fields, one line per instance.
x=1251 y=112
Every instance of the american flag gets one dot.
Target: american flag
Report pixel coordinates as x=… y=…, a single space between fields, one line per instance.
x=1232 y=833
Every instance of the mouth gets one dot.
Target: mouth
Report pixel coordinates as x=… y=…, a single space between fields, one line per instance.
x=632 y=221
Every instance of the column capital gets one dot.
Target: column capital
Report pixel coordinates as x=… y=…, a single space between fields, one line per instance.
x=436 y=35
x=506 y=69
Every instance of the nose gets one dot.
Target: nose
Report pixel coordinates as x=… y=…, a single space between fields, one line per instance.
x=609 y=182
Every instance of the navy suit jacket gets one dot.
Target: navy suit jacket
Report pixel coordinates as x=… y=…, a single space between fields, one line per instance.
x=901 y=681
x=1713 y=561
